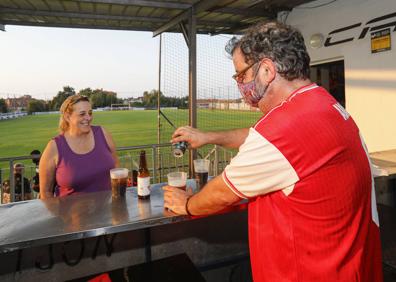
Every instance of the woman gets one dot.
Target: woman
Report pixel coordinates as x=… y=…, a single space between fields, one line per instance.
x=78 y=160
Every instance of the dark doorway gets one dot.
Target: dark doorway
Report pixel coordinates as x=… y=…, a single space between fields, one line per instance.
x=332 y=77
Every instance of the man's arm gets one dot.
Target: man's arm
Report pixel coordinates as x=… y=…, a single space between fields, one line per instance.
x=196 y=138
x=214 y=197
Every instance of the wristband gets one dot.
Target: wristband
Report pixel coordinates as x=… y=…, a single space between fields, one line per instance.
x=186 y=206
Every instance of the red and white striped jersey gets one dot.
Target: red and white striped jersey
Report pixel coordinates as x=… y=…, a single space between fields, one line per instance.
x=312 y=210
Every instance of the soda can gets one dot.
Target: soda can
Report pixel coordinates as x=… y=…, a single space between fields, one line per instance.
x=179 y=149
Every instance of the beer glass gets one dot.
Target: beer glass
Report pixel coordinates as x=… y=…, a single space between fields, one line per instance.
x=201 y=171
x=119 y=182
x=178 y=179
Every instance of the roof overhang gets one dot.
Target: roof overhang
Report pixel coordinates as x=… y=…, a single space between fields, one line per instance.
x=212 y=16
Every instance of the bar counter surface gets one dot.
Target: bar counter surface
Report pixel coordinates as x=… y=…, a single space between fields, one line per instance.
x=40 y=222
x=386 y=160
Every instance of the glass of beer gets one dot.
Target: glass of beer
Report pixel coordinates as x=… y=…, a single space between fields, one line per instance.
x=119 y=182
x=177 y=179
x=201 y=171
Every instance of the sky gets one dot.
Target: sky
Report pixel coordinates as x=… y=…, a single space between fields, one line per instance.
x=39 y=61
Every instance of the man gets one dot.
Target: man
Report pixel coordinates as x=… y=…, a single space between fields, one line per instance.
x=303 y=167
x=19 y=183
x=36 y=177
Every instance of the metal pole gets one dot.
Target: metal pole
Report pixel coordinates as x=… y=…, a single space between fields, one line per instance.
x=216 y=160
x=159 y=163
x=155 y=169
x=192 y=91
x=1 y=185
x=12 y=182
x=22 y=185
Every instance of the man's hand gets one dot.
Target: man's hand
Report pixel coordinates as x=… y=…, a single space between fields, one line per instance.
x=175 y=199
x=193 y=136
x=196 y=138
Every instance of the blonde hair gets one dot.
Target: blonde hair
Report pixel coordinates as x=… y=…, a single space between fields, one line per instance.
x=67 y=108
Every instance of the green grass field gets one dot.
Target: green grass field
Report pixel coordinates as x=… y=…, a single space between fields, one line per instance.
x=19 y=137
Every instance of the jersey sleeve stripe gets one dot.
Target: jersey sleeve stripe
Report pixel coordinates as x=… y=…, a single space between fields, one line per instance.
x=232 y=187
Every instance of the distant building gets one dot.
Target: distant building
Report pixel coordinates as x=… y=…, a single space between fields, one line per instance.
x=18 y=104
x=224 y=104
x=134 y=100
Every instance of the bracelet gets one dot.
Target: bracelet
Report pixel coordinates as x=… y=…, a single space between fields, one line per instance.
x=186 y=206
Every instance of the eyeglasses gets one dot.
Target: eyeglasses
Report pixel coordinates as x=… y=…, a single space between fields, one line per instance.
x=240 y=76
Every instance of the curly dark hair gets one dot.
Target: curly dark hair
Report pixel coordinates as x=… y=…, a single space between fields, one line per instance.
x=281 y=43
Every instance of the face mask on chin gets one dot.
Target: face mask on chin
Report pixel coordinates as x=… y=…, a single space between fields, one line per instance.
x=251 y=93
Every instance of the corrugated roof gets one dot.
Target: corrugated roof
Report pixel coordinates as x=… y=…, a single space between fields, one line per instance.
x=213 y=16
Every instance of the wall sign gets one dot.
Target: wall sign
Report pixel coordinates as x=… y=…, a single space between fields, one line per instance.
x=362 y=29
x=380 y=41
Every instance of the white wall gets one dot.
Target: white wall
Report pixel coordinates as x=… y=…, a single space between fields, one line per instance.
x=370 y=79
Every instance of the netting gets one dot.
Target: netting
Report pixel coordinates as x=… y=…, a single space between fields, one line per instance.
x=219 y=104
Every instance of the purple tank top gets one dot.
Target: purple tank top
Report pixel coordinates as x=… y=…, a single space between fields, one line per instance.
x=83 y=173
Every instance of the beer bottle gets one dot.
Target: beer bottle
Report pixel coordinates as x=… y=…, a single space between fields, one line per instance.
x=143 y=181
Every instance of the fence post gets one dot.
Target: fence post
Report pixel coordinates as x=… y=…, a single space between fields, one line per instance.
x=216 y=160
x=12 y=182
x=1 y=186
x=22 y=183
x=159 y=164
x=154 y=156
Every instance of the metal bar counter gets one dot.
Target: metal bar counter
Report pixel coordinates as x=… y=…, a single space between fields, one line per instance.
x=40 y=222
x=386 y=160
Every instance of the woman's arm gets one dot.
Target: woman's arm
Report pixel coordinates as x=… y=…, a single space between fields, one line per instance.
x=112 y=146
x=47 y=170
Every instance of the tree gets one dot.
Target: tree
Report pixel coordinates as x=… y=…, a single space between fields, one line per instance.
x=150 y=98
x=57 y=101
x=86 y=92
x=3 y=106
x=102 y=98
x=36 y=106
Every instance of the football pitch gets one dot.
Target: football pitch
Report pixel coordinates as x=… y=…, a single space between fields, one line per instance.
x=18 y=137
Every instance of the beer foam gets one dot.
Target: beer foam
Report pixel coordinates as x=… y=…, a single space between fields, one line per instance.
x=117 y=173
x=201 y=165
x=177 y=183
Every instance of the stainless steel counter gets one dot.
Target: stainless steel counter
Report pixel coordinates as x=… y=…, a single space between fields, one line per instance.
x=40 y=222
x=386 y=160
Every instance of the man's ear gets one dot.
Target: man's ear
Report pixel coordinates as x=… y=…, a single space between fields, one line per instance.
x=268 y=70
